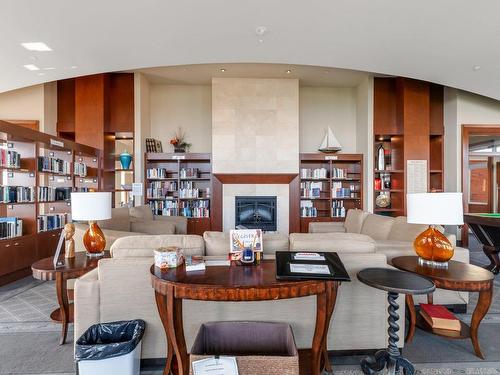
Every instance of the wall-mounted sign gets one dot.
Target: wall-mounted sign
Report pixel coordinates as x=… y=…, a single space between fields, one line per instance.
x=178 y=157
x=416 y=176
x=331 y=157
x=137 y=189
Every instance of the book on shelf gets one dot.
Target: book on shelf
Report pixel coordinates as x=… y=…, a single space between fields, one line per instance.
x=10 y=227
x=313 y=173
x=51 y=221
x=338 y=209
x=165 y=207
x=17 y=194
x=197 y=208
x=54 y=165
x=339 y=173
x=80 y=169
x=189 y=173
x=158 y=173
x=439 y=317
x=10 y=158
x=307 y=209
x=153 y=145
x=161 y=189
x=49 y=193
x=311 y=189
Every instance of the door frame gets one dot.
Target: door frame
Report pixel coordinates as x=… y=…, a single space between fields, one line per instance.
x=468 y=130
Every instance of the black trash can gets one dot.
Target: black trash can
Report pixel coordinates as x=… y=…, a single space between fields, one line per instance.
x=260 y=348
x=110 y=348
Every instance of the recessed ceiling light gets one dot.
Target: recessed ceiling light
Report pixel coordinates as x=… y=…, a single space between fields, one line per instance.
x=36 y=46
x=73 y=67
x=31 y=67
x=49 y=68
x=222 y=70
x=41 y=74
x=288 y=71
x=476 y=67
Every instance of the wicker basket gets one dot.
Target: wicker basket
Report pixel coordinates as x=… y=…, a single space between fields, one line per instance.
x=260 y=348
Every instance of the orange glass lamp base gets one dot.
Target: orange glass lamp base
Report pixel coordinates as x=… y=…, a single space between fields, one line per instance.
x=94 y=240
x=433 y=248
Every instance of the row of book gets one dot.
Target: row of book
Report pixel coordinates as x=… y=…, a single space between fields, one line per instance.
x=10 y=158
x=311 y=189
x=307 y=209
x=153 y=145
x=338 y=209
x=158 y=173
x=80 y=169
x=161 y=189
x=313 y=173
x=340 y=173
x=49 y=164
x=10 y=227
x=49 y=193
x=338 y=191
x=199 y=208
x=17 y=194
x=189 y=173
x=51 y=222
x=165 y=208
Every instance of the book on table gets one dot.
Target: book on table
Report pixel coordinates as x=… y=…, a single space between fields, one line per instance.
x=439 y=317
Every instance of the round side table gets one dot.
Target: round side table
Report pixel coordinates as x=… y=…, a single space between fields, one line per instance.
x=72 y=268
x=393 y=282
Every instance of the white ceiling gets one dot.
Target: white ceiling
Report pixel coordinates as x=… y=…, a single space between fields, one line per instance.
x=439 y=41
x=202 y=74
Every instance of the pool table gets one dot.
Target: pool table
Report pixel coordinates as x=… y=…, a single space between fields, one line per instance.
x=486 y=227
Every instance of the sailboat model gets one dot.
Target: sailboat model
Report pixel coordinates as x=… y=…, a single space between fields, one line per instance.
x=330 y=143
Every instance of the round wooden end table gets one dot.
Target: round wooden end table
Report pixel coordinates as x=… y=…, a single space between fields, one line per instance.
x=236 y=283
x=394 y=282
x=69 y=269
x=459 y=277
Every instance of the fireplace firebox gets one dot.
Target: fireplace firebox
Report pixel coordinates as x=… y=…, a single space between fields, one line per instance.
x=256 y=213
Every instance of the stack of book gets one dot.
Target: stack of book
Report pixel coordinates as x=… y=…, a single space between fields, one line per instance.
x=10 y=158
x=51 y=222
x=311 y=189
x=48 y=164
x=307 y=209
x=10 y=227
x=198 y=208
x=17 y=194
x=313 y=173
x=153 y=145
x=80 y=169
x=439 y=317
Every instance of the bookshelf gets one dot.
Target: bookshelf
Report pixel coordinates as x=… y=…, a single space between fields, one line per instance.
x=180 y=184
x=39 y=186
x=330 y=184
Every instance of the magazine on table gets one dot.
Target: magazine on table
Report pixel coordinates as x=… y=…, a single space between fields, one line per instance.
x=244 y=239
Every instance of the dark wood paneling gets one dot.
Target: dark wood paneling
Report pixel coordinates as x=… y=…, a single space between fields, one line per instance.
x=436 y=115
x=384 y=110
x=255 y=178
x=294 y=205
x=216 y=205
x=66 y=106
x=30 y=124
x=121 y=102
x=198 y=226
x=91 y=109
x=47 y=242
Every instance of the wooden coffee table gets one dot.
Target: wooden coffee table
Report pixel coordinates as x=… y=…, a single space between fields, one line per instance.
x=459 y=277
x=71 y=269
x=236 y=283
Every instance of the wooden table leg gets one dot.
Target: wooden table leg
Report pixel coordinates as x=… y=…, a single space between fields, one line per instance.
x=62 y=299
x=319 y=333
x=410 y=305
x=161 y=305
x=331 y=298
x=482 y=307
x=176 y=331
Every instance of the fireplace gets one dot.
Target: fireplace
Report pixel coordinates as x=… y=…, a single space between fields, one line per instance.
x=256 y=212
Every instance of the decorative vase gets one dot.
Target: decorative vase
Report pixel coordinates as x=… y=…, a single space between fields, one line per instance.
x=433 y=248
x=381 y=158
x=94 y=241
x=179 y=149
x=125 y=160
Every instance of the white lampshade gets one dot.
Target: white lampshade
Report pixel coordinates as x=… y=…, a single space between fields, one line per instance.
x=91 y=206
x=435 y=208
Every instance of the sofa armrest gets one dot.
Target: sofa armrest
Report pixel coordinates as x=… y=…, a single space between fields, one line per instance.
x=179 y=221
x=86 y=302
x=326 y=227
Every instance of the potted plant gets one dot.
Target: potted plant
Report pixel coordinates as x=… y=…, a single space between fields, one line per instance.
x=179 y=141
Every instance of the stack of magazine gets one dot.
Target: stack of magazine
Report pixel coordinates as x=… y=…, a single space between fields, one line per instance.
x=10 y=227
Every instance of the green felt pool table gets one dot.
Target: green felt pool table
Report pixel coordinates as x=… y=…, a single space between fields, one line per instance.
x=486 y=227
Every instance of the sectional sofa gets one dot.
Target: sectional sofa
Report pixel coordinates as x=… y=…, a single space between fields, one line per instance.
x=120 y=288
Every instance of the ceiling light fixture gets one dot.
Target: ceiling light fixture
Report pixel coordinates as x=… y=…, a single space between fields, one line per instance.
x=49 y=68
x=222 y=70
x=288 y=71
x=260 y=31
x=31 y=67
x=36 y=46
x=476 y=67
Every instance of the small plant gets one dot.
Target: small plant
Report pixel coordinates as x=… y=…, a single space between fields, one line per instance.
x=179 y=141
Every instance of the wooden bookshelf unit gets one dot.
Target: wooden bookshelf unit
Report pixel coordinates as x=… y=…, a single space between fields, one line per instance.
x=330 y=184
x=180 y=184
x=19 y=252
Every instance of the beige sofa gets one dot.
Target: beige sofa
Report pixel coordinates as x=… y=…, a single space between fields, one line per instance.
x=133 y=221
x=391 y=236
x=120 y=288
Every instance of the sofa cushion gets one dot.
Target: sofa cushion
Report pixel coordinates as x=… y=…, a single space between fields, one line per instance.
x=217 y=243
x=354 y=220
x=153 y=227
x=377 y=226
x=338 y=242
x=120 y=220
x=141 y=214
x=402 y=231
x=326 y=227
x=144 y=246
x=180 y=222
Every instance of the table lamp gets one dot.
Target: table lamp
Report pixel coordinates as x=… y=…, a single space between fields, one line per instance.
x=92 y=206
x=432 y=246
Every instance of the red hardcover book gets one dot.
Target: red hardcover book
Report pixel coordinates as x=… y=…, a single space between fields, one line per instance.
x=439 y=317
